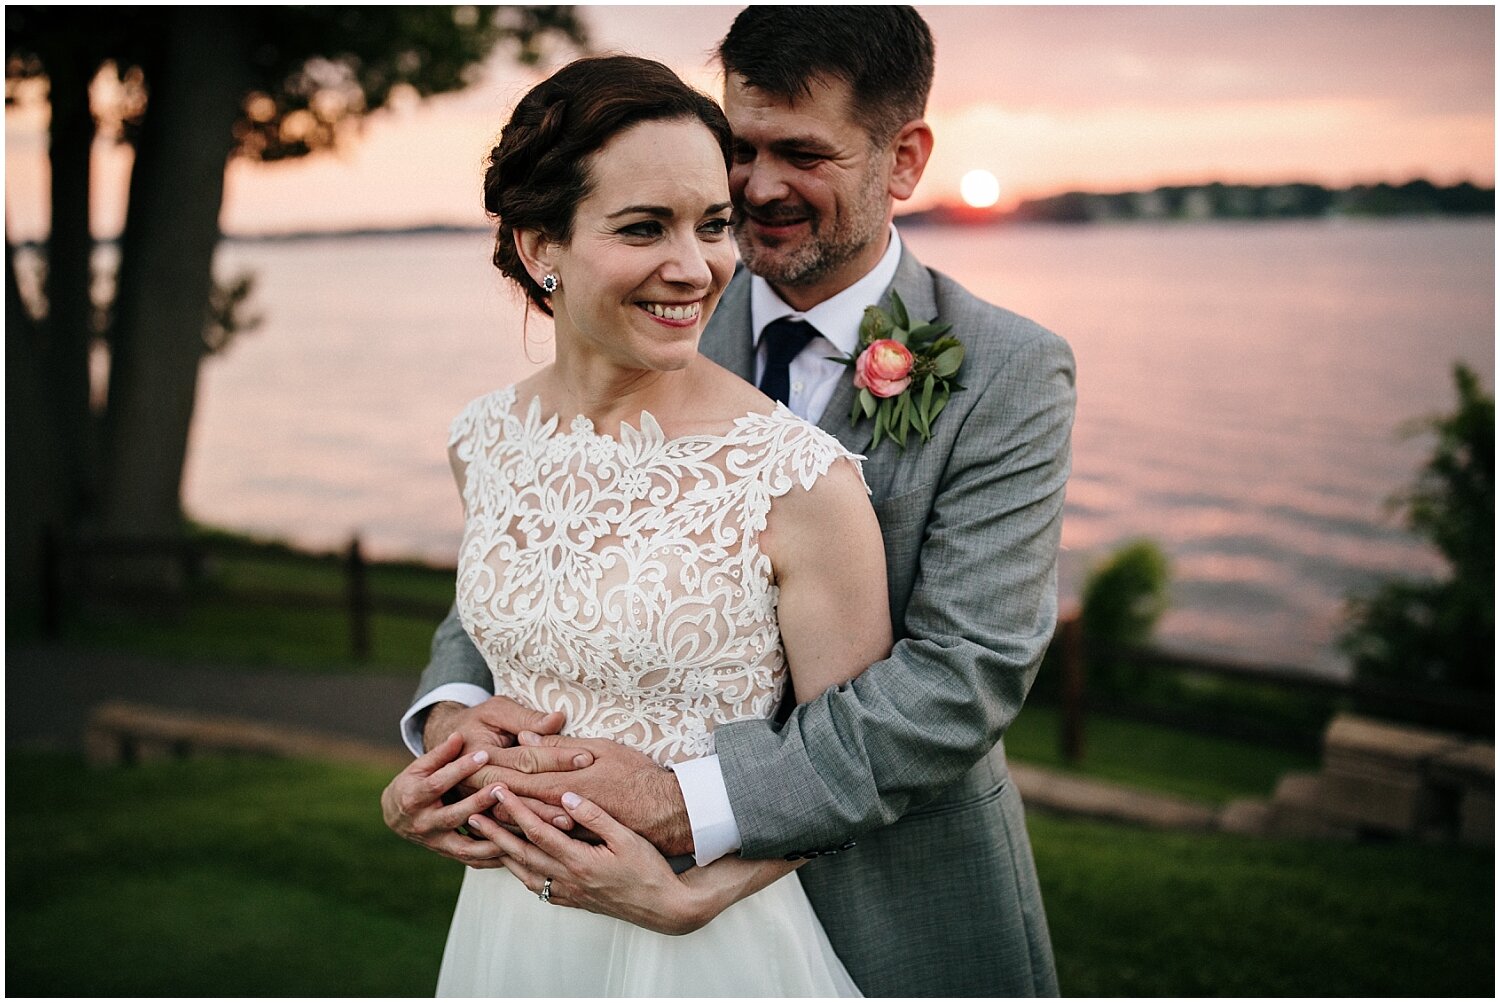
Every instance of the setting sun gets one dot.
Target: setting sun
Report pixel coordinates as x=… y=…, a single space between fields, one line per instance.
x=979 y=189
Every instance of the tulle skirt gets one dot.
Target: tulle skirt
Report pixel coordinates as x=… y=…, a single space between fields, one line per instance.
x=504 y=941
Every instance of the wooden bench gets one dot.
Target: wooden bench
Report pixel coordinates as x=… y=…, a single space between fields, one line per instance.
x=120 y=733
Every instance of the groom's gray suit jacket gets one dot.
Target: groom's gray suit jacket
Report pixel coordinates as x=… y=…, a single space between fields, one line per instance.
x=939 y=895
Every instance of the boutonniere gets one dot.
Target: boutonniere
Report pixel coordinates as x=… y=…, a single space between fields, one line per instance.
x=904 y=372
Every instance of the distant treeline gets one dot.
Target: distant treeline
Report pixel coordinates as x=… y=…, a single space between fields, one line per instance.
x=1212 y=201
x=1225 y=201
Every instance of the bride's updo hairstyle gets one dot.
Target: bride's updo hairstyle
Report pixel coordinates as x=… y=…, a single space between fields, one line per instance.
x=539 y=171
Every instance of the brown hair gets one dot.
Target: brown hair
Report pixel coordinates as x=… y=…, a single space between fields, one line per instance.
x=885 y=55
x=539 y=172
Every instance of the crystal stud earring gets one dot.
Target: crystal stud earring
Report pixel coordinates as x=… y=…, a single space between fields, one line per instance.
x=549 y=283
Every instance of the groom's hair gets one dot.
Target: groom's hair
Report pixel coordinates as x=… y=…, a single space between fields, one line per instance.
x=884 y=54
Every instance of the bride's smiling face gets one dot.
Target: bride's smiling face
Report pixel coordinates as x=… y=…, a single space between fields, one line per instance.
x=650 y=251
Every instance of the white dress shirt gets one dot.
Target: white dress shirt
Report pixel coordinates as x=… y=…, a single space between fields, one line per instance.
x=813 y=379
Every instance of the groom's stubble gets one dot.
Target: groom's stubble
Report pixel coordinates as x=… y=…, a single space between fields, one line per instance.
x=829 y=244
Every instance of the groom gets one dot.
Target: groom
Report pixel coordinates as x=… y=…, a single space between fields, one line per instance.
x=901 y=772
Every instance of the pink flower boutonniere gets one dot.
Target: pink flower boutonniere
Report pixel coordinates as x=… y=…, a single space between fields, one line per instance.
x=904 y=372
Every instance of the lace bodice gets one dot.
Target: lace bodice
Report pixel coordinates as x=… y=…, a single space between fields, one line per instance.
x=620 y=580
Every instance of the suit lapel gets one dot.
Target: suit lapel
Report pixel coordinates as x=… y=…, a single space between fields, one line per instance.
x=914 y=285
x=728 y=342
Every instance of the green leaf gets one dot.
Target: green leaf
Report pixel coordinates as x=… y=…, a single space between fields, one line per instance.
x=939 y=401
x=943 y=344
x=898 y=311
x=900 y=336
x=856 y=410
x=923 y=333
x=874 y=326
x=927 y=388
x=919 y=419
x=867 y=402
x=947 y=364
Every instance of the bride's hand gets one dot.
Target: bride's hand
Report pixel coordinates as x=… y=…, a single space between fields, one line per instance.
x=624 y=876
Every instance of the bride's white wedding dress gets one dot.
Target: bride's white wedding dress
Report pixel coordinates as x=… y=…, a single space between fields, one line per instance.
x=620 y=581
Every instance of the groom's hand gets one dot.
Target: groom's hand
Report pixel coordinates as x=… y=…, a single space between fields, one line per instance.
x=491 y=728
x=626 y=783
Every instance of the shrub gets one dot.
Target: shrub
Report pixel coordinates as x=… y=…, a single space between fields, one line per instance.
x=1122 y=600
x=1441 y=632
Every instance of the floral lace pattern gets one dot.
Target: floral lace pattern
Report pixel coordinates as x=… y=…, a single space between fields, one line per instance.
x=620 y=580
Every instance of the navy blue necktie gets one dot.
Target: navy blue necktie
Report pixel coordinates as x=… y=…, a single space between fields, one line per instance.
x=784 y=339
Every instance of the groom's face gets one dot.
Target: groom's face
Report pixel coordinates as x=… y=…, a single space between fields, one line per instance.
x=812 y=190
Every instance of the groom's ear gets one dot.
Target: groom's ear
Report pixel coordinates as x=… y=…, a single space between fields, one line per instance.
x=911 y=149
x=537 y=252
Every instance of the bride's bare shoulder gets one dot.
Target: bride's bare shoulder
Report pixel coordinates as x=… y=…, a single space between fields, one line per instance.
x=723 y=395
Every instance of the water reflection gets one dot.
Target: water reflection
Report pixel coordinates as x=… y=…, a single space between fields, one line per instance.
x=1239 y=391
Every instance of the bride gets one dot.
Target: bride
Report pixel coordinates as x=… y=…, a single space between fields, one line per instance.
x=651 y=547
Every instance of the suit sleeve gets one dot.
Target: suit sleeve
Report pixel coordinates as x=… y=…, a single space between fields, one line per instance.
x=979 y=618
x=453 y=659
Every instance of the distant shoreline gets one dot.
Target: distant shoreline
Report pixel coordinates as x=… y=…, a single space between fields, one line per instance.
x=951 y=216
x=1215 y=202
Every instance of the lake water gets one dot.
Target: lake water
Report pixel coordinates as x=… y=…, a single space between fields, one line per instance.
x=1240 y=388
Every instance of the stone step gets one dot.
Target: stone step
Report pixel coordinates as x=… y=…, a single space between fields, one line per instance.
x=1297 y=810
x=1067 y=794
x=1356 y=739
x=1246 y=817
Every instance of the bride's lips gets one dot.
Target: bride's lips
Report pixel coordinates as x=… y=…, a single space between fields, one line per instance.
x=673 y=314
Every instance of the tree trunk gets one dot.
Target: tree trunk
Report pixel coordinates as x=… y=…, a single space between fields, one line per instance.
x=166 y=268
x=30 y=449
x=70 y=247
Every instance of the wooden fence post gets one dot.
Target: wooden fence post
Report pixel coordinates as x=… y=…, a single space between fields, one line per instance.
x=359 y=603
x=1070 y=652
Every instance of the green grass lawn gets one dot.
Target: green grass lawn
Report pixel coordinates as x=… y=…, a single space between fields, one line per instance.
x=217 y=625
x=247 y=877
x=223 y=631
x=1201 y=767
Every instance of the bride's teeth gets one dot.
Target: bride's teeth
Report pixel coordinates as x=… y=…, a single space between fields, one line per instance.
x=673 y=312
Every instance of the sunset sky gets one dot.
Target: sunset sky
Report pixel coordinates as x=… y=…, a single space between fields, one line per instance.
x=1045 y=98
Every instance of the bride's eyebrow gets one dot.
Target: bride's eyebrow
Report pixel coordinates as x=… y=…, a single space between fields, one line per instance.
x=661 y=211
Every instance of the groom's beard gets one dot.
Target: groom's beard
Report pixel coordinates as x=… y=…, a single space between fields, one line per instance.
x=828 y=245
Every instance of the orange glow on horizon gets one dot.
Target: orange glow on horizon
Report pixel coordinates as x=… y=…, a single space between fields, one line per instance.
x=1103 y=100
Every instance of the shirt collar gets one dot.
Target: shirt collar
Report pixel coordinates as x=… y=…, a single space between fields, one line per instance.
x=836 y=318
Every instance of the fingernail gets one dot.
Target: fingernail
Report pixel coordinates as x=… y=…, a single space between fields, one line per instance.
x=481 y=756
x=474 y=821
x=562 y=821
x=582 y=759
x=530 y=738
x=497 y=794
x=571 y=800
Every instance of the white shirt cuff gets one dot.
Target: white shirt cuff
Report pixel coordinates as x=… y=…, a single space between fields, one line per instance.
x=715 y=831
x=411 y=725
